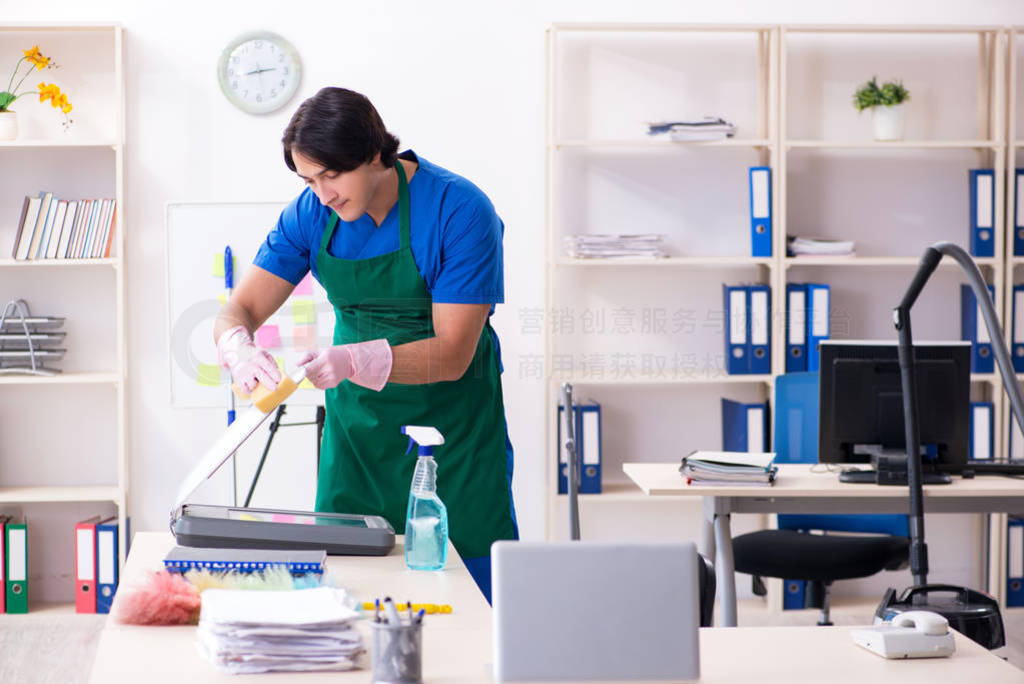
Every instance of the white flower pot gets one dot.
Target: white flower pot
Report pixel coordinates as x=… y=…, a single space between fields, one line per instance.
x=888 y=122
x=8 y=125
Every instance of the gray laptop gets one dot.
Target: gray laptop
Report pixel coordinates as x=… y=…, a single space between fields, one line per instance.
x=595 y=611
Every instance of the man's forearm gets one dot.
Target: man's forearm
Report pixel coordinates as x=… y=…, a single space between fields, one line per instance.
x=428 y=360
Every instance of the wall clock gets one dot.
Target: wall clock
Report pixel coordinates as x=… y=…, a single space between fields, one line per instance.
x=259 y=71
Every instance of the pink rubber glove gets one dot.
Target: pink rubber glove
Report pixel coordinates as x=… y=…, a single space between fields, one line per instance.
x=367 y=364
x=249 y=365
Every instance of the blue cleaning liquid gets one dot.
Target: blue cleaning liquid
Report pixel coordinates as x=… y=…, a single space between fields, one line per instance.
x=426 y=534
x=426 y=523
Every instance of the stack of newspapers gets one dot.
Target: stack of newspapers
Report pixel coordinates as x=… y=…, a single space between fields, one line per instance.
x=244 y=632
x=706 y=128
x=593 y=246
x=730 y=468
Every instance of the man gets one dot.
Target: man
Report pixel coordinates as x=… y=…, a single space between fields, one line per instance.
x=410 y=256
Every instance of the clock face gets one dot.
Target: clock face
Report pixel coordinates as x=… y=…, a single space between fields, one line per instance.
x=259 y=72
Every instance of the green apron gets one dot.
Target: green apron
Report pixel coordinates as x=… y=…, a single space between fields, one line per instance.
x=363 y=464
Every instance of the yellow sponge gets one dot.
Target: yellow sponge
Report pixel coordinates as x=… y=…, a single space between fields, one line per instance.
x=267 y=400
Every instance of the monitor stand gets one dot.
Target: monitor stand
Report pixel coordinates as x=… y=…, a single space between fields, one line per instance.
x=890 y=468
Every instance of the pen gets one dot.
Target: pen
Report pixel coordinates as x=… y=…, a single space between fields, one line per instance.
x=419 y=616
x=389 y=607
x=408 y=605
x=376 y=610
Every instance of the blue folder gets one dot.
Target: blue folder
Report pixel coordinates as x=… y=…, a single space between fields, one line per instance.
x=737 y=329
x=980 y=443
x=106 y=564
x=796 y=327
x=1018 y=214
x=744 y=426
x=819 y=306
x=973 y=329
x=761 y=211
x=759 y=308
x=1017 y=329
x=1015 y=561
x=983 y=210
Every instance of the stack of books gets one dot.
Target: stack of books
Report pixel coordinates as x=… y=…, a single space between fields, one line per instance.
x=53 y=228
x=729 y=468
x=706 y=128
x=590 y=246
x=249 y=631
x=801 y=246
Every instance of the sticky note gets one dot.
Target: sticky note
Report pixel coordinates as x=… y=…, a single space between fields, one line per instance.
x=222 y=298
x=306 y=384
x=268 y=336
x=282 y=518
x=304 y=337
x=209 y=375
x=303 y=312
x=248 y=516
x=280 y=364
x=305 y=286
x=218 y=265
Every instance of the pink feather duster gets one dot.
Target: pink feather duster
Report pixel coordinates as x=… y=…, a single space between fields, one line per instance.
x=165 y=599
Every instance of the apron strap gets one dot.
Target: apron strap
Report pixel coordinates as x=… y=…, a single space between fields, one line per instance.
x=403 y=206
x=332 y=223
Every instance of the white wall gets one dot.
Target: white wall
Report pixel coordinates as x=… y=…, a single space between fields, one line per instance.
x=460 y=82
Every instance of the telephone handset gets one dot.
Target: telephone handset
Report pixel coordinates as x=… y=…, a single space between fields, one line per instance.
x=914 y=634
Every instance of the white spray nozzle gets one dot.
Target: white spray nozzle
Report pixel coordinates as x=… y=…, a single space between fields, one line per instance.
x=426 y=437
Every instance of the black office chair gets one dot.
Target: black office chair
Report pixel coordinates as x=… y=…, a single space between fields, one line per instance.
x=706 y=582
x=793 y=553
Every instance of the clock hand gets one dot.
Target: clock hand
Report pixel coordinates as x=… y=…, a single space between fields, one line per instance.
x=259 y=71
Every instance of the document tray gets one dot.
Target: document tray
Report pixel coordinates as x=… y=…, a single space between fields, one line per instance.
x=340 y=534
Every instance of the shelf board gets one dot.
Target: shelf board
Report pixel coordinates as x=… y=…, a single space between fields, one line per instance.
x=639 y=379
x=51 y=263
x=895 y=144
x=95 y=378
x=667 y=261
x=51 y=494
x=873 y=261
x=659 y=143
x=57 y=142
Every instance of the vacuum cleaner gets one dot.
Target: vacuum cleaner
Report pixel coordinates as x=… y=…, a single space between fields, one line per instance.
x=972 y=613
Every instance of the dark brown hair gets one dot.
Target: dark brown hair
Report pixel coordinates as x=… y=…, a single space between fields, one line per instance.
x=339 y=129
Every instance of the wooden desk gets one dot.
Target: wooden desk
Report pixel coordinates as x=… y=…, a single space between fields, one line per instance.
x=457 y=647
x=799 y=490
x=798 y=655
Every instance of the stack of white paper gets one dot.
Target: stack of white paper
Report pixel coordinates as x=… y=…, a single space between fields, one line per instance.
x=594 y=246
x=729 y=468
x=245 y=632
x=800 y=246
x=706 y=128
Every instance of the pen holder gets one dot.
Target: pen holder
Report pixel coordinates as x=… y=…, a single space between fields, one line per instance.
x=397 y=653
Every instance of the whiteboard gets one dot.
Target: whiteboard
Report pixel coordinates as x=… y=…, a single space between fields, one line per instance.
x=197 y=234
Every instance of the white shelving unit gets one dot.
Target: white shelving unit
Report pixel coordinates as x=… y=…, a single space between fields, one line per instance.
x=68 y=458
x=599 y=91
x=829 y=177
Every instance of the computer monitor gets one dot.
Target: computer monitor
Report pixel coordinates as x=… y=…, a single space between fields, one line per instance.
x=860 y=403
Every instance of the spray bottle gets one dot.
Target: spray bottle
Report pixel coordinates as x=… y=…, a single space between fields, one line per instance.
x=426 y=523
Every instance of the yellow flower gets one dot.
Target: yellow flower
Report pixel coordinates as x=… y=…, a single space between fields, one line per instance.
x=36 y=57
x=63 y=103
x=49 y=92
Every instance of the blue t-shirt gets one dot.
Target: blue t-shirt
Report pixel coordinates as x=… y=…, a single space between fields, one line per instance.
x=455 y=235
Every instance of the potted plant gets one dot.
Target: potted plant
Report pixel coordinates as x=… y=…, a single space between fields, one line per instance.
x=886 y=105
x=8 y=117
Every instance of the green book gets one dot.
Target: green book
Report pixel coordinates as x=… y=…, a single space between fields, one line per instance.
x=16 y=570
